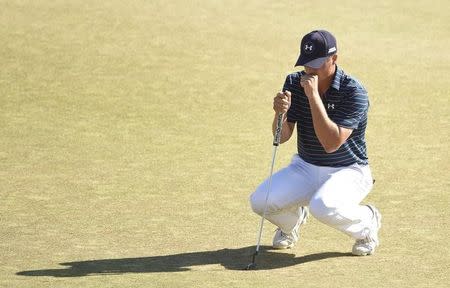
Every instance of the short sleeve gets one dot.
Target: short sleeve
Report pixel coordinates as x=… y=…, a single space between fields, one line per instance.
x=287 y=83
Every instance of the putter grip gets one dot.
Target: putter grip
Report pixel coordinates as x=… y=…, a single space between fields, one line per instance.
x=277 y=137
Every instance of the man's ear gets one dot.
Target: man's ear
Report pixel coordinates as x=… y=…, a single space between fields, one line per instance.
x=334 y=58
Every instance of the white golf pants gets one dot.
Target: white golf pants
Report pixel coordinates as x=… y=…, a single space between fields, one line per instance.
x=332 y=195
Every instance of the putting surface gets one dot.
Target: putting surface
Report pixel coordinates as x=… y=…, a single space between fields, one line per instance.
x=133 y=133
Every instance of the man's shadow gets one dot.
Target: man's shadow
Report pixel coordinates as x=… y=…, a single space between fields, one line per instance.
x=231 y=259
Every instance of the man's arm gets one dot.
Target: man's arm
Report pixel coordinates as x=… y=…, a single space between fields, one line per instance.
x=330 y=135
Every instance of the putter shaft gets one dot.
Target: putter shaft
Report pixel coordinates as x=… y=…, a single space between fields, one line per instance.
x=276 y=143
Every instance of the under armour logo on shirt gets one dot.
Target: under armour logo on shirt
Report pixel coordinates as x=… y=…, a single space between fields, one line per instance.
x=330 y=106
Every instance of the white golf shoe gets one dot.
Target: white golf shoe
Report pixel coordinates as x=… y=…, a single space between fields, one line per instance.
x=282 y=240
x=366 y=246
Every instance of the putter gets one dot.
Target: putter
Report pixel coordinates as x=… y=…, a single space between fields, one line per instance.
x=276 y=143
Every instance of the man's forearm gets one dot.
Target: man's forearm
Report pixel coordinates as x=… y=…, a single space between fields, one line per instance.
x=326 y=130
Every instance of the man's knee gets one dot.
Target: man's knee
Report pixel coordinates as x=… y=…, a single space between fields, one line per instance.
x=258 y=202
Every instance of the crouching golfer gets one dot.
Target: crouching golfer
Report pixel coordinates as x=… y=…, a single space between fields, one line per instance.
x=330 y=174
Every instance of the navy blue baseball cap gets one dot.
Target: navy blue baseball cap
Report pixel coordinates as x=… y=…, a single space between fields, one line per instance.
x=315 y=48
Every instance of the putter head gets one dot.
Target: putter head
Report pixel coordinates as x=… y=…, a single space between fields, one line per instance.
x=251 y=266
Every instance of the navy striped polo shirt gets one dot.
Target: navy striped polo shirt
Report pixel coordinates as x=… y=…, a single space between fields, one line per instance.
x=347 y=104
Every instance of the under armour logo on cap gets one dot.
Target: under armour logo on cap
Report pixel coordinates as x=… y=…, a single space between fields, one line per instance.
x=308 y=48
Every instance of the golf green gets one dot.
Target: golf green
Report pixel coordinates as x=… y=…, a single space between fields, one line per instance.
x=133 y=132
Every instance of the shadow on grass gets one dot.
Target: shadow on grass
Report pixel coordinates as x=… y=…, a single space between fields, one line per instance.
x=231 y=259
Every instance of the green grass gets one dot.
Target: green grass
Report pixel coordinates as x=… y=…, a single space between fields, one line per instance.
x=133 y=133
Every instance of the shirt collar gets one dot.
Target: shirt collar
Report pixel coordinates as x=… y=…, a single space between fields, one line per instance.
x=336 y=84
